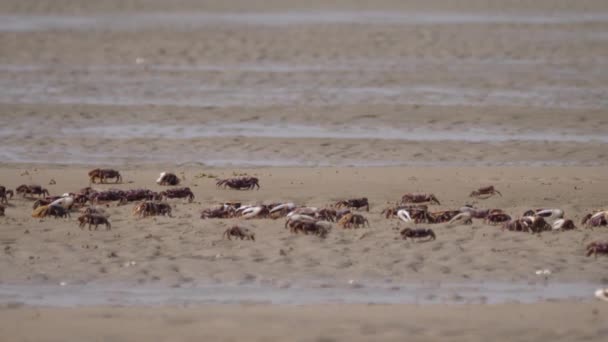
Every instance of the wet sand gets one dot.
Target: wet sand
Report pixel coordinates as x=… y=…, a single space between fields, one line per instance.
x=512 y=322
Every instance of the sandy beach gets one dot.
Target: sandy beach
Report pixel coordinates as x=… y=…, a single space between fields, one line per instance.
x=322 y=101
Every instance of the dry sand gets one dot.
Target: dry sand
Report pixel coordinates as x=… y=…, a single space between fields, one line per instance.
x=438 y=97
x=183 y=249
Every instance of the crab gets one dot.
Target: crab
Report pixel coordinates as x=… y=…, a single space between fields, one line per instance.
x=282 y=209
x=485 y=192
x=32 y=190
x=411 y=210
x=596 y=219
x=44 y=201
x=415 y=213
x=50 y=210
x=167 y=178
x=442 y=216
x=467 y=213
x=497 y=216
x=327 y=214
x=296 y=219
x=94 y=210
x=253 y=211
x=529 y=224
x=355 y=203
x=417 y=233
x=563 y=224
x=419 y=198
x=351 y=220
x=239 y=183
x=178 y=193
x=597 y=247
x=107 y=196
x=239 y=232
x=94 y=219
x=149 y=208
x=138 y=195
x=103 y=174
x=4 y=193
x=547 y=214
x=222 y=211
x=319 y=228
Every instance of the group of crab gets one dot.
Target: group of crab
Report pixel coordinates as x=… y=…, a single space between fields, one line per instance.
x=299 y=219
x=413 y=208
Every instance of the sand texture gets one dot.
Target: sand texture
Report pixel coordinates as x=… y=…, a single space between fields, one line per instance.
x=188 y=250
x=322 y=101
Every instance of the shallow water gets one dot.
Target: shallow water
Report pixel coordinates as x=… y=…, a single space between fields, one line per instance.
x=196 y=20
x=271 y=130
x=423 y=293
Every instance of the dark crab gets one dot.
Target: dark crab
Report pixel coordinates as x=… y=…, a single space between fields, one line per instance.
x=239 y=183
x=178 y=193
x=5 y=194
x=93 y=219
x=417 y=233
x=239 y=233
x=32 y=190
x=355 y=203
x=167 y=178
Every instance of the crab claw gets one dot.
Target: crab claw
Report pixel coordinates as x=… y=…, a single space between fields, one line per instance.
x=289 y=206
x=162 y=174
x=404 y=215
x=252 y=212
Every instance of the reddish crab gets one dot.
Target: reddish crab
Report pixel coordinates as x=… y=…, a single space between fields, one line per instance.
x=497 y=216
x=417 y=233
x=239 y=232
x=529 y=224
x=240 y=183
x=4 y=193
x=103 y=174
x=178 y=193
x=485 y=192
x=596 y=219
x=597 y=247
x=355 y=203
x=107 y=196
x=419 y=198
